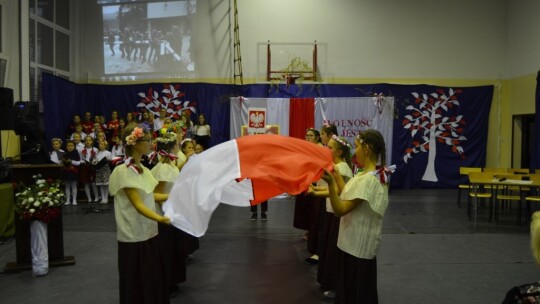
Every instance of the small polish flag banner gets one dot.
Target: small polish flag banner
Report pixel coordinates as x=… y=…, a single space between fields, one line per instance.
x=242 y=172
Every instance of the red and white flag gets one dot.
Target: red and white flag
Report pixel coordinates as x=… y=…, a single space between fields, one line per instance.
x=242 y=172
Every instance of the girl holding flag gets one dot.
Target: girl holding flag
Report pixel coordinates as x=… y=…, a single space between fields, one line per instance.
x=170 y=238
x=361 y=204
x=329 y=227
x=139 y=259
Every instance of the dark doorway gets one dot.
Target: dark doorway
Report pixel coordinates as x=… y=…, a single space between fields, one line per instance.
x=523 y=132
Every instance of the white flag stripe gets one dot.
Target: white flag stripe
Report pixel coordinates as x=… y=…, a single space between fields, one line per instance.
x=202 y=180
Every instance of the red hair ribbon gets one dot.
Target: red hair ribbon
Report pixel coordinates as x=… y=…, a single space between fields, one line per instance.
x=167 y=154
x=151 y=157
x=384 y=172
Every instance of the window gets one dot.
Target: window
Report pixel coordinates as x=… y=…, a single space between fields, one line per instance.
x=49 y=42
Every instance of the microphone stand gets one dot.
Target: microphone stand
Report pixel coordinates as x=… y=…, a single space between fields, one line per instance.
x=5 y=170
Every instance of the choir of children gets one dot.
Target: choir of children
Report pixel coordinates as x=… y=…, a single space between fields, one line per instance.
x=93 y=142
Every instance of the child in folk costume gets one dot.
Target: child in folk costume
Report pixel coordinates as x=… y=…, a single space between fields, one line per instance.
x=121 y=127
x=95 y=131
x=139 y=259
x=87 y=175
x=113 y=125
x=70 y=172
x=171 y=239
x=118 y=149
x=77 y=141
x=72 y=127
x=318 y=210
x=187 y=147
x=57 y=153
x=198 y=149
x=87 y=123
x=329 y=227
x=103 y=122
x=361 y=203
x=101 y=136
x=103 y=171
x=188 y=150
x=303 y=204
x=79 y=132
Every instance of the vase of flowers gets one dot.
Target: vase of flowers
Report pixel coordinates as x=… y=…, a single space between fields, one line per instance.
x=39 y=203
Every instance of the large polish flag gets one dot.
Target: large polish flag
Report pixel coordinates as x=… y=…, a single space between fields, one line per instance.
x=242 y=172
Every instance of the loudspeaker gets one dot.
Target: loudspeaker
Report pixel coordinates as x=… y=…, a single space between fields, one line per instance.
x=27 y=117
x=7 y=117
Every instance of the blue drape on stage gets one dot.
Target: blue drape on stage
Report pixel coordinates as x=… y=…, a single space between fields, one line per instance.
x=536 y=146
x=62 y=99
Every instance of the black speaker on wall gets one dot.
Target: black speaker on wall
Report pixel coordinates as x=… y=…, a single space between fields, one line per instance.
x=26 y=117
x=7 y=117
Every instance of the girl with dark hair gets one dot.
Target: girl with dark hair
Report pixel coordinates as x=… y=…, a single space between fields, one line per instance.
x=304 y=204
x=327 y=130
x=201 y=132
x=318 y=210
x=361 y=203
x=191 y=243
x=329 y=227
x=170 y=238
x=70 y=172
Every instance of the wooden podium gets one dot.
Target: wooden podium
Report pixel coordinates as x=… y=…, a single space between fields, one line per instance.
x=55 y=231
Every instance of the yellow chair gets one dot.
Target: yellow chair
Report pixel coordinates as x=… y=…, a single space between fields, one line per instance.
x=520 y=171
x=465 y=171
x=534 y=194
x=477 y=190
x=511 y=192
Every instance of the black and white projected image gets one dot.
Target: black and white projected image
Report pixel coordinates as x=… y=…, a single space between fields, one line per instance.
x=153 y=37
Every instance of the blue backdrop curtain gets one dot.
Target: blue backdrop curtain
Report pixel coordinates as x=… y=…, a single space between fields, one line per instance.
x=62 y=99
x=536 y=145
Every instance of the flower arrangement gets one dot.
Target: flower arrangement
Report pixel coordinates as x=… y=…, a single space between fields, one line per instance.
x=135 y=135
x=165 y=136
x=41 y=201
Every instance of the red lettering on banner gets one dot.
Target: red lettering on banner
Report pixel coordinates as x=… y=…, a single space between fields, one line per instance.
x=360 y=122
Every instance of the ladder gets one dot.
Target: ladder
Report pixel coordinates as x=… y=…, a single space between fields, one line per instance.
x=237 y=55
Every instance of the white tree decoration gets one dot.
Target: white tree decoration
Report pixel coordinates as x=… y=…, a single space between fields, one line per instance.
x=427 y=125
x=169 y=100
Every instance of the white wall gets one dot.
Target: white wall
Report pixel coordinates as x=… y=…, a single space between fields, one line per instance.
x=459 y=39
x=523 y=43
x=11 y=45
x=385 y=39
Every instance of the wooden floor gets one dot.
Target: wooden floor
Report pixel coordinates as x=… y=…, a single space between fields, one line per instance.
x=430 y=253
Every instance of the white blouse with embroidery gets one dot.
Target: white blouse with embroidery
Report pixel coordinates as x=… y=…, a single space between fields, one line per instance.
x=130 y=224
x=360 y=230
